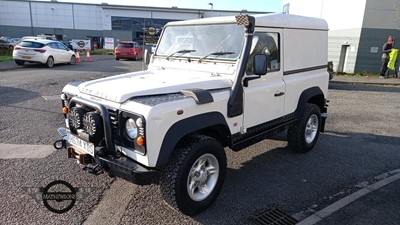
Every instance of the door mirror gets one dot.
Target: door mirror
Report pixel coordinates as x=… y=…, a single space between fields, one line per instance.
x=146 y=57
x=260 y=64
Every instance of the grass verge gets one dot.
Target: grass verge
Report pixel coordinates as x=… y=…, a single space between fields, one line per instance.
x=6 y=58
x=356 y=74
x=100 y=52
x=5 y=55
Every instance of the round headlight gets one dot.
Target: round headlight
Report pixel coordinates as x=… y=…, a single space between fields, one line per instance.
x=131 y=129
x=139 y=122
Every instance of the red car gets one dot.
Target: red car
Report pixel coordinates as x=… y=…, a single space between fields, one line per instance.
x=128 y=50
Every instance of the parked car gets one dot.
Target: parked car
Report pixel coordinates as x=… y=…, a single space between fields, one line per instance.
x=5 y=38
x=7 y=43
x=128 y=50
x=34 y=38
x=17 y=40
x=47 y=52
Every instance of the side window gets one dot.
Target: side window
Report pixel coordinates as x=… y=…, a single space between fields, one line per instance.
x=265 y=43
x=61 y=46
x=53 y=45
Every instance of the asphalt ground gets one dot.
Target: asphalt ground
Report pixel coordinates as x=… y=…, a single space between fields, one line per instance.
x=361 y=141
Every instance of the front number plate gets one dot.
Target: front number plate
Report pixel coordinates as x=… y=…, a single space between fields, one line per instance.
x=81 y=144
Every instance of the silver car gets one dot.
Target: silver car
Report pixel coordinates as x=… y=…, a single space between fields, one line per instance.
x=7 y=43
x=47 y=52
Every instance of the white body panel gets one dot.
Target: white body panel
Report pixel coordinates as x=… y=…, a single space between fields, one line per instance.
x=304 y=49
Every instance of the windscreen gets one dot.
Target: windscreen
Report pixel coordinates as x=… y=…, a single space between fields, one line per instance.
x=216 y=41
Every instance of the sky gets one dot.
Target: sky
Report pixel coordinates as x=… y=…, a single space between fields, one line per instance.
x=236 y=5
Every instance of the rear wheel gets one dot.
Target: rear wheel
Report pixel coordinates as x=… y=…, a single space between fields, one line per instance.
x=50 y=62
x=303 y=135
x=194 y=176
x=73 y=60
x=116 y=58
x=19 y=62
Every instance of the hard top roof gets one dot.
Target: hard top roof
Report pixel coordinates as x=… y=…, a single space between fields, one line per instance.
x=278 y=20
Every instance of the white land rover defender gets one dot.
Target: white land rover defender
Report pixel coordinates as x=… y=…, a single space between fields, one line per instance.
x=211 y=83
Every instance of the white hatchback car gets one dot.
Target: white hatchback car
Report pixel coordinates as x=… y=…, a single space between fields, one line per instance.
x=47 y=52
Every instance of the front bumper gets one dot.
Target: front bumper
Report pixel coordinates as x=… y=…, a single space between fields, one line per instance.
x=128 y=169
x=116 y=165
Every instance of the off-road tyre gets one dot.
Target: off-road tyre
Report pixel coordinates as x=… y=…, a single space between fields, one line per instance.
x=175 y=180
x=309 y=122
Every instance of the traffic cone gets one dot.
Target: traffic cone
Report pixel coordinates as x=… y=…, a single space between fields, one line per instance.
x=78 y=58
x=88 y=55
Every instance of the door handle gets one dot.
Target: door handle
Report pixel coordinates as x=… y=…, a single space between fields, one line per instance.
x=279 y=94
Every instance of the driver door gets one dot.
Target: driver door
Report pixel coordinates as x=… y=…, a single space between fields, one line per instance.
x=264 y=98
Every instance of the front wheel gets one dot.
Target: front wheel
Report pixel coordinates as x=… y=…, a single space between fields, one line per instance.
x=303 y=135
x=72 y=61
x=193 y=178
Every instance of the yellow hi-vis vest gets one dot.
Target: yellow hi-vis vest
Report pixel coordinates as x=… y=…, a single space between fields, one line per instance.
x=392 y=58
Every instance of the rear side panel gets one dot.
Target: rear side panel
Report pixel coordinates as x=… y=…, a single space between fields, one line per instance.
x=305 y=63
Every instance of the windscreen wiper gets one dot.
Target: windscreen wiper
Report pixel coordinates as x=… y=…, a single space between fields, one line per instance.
x=183 y=51
x=217 y=54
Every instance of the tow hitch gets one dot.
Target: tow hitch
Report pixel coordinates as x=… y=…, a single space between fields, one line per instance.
x=96 y=170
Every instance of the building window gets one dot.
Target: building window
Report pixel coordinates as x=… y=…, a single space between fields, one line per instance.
x=136 y=25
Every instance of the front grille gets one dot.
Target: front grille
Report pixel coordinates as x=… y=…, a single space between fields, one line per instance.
x=114 y=126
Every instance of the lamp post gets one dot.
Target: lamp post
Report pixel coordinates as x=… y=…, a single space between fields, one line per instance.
x=212 y=6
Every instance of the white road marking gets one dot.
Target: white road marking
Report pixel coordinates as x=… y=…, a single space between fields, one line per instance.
x=112 y=206
x=325 y=212
x=51 y=97
x=16 y=151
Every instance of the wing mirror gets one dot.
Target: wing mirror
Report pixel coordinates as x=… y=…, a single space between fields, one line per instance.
x=260 y=64
x=259 y=68
x=146 y=56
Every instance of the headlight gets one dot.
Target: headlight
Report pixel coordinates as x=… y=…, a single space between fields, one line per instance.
x=133 y=132
x=131 y=128
x=139 y=122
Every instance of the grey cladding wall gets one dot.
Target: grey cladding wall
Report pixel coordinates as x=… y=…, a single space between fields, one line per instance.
x=366 y=61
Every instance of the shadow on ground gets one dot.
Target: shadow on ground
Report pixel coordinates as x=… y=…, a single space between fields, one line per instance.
x=363 y=87
x=11 y=95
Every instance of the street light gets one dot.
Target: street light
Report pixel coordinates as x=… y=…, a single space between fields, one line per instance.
x=212 y=5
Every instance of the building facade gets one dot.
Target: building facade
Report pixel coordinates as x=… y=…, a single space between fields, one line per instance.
x=357 y=29
x=67 y=21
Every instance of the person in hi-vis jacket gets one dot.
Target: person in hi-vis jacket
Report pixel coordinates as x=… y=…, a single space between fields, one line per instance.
x=386 y=49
